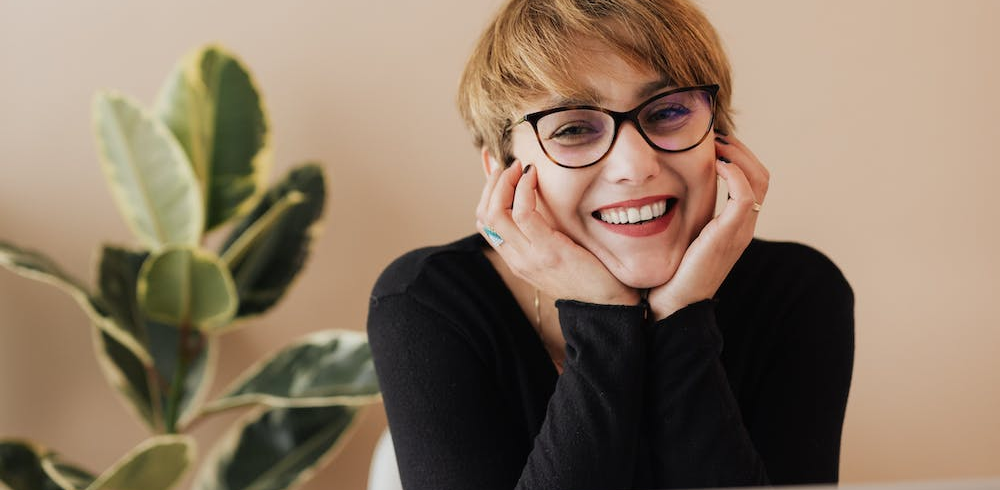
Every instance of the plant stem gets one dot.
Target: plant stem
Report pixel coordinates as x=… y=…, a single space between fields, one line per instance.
x=184 y=357
x=156 y=387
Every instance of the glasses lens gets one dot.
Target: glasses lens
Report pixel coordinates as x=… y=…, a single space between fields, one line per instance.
x=679 y=120
x=576 y=137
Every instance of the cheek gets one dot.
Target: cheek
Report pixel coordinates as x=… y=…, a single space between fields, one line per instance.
x=559 y=190
x=559 y=194
x=702 y=184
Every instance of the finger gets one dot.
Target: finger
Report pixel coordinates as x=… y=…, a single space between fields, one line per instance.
x=735 y=151
x=525 y=213
x=484 y=198
x=497 y=215
x=739 y=208
x=736 y=142
x=503 y=194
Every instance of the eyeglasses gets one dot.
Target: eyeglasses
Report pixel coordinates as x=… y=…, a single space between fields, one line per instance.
x=580 y=136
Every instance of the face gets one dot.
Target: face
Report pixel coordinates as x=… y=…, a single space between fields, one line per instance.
x=631 y=176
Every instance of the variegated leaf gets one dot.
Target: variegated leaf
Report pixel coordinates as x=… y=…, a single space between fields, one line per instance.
x=329 y=367
x=34 y=265
x=28 y=466
x=267 y=249
x=150 y=389
x=212 y=106
x=276 y=449
x=149 y=174
x=186 y=285
x=158 y=463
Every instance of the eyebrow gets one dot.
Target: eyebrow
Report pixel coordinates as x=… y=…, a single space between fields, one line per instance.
x=655 y=86
x=591 y=98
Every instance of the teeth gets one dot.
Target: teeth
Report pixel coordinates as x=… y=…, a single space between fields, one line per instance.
x=620 y=216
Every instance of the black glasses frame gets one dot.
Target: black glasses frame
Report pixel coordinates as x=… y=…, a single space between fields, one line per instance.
x=621 y=117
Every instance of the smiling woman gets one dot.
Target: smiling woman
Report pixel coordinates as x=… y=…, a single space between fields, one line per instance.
x=876 y=120
x=577 y=342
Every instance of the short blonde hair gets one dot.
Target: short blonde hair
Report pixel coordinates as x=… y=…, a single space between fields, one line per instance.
x=532 y=47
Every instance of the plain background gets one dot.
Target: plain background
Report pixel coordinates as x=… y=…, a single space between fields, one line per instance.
x=877 y=119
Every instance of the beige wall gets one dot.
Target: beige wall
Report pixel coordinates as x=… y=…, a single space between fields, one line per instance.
x=877 y=118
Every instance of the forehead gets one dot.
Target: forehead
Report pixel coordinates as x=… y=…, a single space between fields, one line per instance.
x=600 y=76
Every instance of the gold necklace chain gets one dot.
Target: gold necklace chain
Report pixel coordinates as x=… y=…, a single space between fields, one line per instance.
x=538 y=322
x=538 y=311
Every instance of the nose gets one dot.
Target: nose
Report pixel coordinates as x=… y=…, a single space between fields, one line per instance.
x=631 y=159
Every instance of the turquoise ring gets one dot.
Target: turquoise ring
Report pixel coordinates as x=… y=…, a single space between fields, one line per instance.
x=493 y=236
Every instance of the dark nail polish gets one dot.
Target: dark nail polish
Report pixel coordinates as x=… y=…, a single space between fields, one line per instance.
x=719 y=131
x=724 y=159
x=526 y=168
x=720 y=140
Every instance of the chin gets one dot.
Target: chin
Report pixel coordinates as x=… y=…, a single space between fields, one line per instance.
x=646 y=274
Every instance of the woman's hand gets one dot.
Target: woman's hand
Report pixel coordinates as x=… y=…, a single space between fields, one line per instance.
x=544 y=257
x=711 y=256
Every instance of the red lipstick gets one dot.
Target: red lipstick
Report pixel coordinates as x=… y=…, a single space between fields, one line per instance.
x=645 y=228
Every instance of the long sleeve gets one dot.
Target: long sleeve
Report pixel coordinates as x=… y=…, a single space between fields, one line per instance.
x=453 y=430
x=798 y=413
x=696 y=434
x=789 y=314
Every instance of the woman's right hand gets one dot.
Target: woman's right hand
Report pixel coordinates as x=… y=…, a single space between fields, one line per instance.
x=537 y=253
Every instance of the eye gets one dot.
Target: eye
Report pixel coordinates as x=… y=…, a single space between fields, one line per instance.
x=572 y=130
x=574 y=134
x=667 y=113
x=573 y=127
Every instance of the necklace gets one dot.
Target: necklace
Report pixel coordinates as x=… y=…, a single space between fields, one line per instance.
x=538 y=321
x=538 y=311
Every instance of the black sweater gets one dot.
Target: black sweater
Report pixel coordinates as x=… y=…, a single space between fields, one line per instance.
x=474 y=401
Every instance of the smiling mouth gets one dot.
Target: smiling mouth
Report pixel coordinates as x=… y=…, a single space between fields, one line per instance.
x=635 y=215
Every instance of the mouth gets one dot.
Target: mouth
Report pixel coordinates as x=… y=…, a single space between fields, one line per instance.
x=636 y=212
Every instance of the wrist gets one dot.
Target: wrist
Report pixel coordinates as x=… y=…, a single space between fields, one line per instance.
x=629 y=297
x=664 y=307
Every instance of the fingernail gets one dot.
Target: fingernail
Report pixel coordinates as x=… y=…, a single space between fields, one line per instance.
x=526 y=168
x=724 y=160
x=719 y=131
x=720 y=140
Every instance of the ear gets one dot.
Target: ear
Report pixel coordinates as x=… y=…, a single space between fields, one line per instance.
x=489 y=163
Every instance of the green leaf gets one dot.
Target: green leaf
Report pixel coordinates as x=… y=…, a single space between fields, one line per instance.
x=212 y=106
x=143 y=387
x=149 y=174
x=185 y=285
x=129 y=377
x=265 y=262
x=251 y=236
x=116 y=281
x=276 y=449
x=164 y=342
x=34 y=265
x=67 y=474
x=146 y=390
x=157 y=463
x=21 y=467
x=330 y=367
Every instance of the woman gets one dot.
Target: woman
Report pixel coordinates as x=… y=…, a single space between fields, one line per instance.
x=577 y=341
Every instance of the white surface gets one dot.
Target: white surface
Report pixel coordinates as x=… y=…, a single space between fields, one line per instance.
x=384 y=473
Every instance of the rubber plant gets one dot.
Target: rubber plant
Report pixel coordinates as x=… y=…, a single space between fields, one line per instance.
x=195 y=163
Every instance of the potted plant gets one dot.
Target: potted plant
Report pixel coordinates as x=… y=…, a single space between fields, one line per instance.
x=196 y=163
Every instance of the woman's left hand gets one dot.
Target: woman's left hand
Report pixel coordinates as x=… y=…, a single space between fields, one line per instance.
x=711 y=256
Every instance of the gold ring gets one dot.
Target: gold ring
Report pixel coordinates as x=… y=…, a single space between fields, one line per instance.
x=756 y=207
